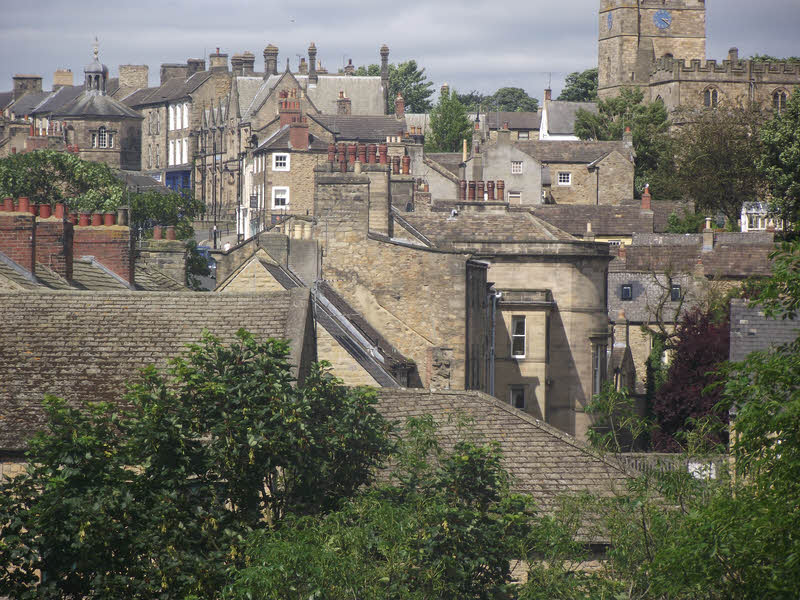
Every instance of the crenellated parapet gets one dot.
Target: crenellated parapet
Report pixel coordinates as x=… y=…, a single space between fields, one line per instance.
x=672 y=69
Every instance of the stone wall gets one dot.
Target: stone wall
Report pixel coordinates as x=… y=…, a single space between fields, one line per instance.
x=415 y=297
x=344 y=365
x=126 y=152
x=614 y=174
x=168 y=256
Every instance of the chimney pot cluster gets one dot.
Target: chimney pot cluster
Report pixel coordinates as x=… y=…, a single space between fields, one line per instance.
x=473 y=191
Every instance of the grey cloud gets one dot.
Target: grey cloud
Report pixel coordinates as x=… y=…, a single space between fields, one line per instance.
x=470 y=44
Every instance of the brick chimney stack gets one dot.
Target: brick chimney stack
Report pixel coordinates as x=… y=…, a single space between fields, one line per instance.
x=110 y=245
x=54 y=244
x=399 y=106
x=349 y=68
x=646 y=198
x=312 y=63
x=298 y=135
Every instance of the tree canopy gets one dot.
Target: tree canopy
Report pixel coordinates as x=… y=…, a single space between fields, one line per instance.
x=155 y=500
x=449 y=125
x=580 y=86
x=505 y=99
x=649 y=125
x=49 y=176
x=408 y=79
x=780 y=159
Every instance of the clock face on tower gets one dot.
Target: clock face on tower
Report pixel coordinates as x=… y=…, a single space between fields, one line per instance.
x=610 y=21
x=662 y=19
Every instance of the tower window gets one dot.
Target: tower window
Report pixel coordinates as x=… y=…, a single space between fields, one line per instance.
x=779 y=101
x=711 y=98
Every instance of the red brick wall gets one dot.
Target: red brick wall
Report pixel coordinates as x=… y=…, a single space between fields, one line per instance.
x=54 y=245
x=17 y=238
x=111 y=246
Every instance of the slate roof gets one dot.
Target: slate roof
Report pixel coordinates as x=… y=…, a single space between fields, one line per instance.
x=648 y=291
x=83 y=346
x=136 y=181
x=515 y=120
x=561 y=115
x=150 y=279
x=361 y=128
x=752 y=331
x=620 y=220
x=543 y=461
x=172 y=89
x=448 y=160
x=247 y=88
x=519 y=227
x=58 y=99
x=557 y=151
x=96 y=105
x=341 y=321
x=26 y=105
x=365 y=93
x=138 y=97
x=6 y=98
x=734 y=255
x=280 y=141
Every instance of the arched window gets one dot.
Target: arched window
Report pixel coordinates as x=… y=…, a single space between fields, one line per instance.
x=779 y=99
x=102 y=137
x=710 y=98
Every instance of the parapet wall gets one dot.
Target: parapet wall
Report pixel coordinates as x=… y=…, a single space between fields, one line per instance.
x=667 y=68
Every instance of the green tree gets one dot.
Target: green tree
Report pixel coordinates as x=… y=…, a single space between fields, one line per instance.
x=154 y=501
x=449 y=125
x=473 y=101
x=716 y=159
x=690 y=222
x=649 y=125
x=372 y=70
x=780 y=160
x=446 y=528
x=768 y=58
x=511 y=99
x=580 y=86
x=48 y=176
x=410 y=80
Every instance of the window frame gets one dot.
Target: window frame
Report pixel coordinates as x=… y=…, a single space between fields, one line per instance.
x=516 y=336
x=275 y=166
x=524 y=135
x=517 y=389
x=599 y=366
x=514 y=196
x=568 y=178
x=275 y=189
x=626 y=287
x=672 y=292
x=711 y=97
x=102 y=137
x=779 y=100
x=516 y=167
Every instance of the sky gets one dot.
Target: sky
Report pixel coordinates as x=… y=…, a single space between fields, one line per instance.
x=472 y=45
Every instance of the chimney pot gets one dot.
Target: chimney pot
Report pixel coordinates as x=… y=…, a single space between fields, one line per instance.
x=109 y=218
x=84 y=219
x=171 y=232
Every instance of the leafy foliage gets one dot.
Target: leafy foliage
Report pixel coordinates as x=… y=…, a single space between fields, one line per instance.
x=511 y=99
x=702 y=346
x=447 y=534
x=617 y=426
x=473 y=101
x=649 y=125
x=155 y=501
x=449 y=124
x=780 y=159
x=690 y=222
x=196 y=266
x=716 y=159
x=410 y=80
x=768 y=58
x=48 y=176
x=580 y=86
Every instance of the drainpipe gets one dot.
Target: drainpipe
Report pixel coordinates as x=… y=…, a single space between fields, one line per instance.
x=495 y=297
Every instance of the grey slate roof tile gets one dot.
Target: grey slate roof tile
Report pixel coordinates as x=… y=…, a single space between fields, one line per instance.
x=362 y=128
x=83 y=346
x=542 y=461
x=752 y=331
x=550 y=151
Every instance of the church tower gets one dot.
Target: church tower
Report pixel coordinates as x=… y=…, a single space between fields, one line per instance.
x=634 y=33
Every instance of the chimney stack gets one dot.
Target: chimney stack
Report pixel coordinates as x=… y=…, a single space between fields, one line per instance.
x=646 y=198
x=548 y=94
x=385 y=66
x=445 y=91
x=349 y=68
x=111 y=246
x=270 y=60
x=63 y=77
x=343 y=105
x=312 y=63
x=298 y=135
x=26 y=83
x=627 y=137
x=195 y=65
x=218 y=61
x=733 y=55
x=399 y=106
x=302 y=68
x=708 y=236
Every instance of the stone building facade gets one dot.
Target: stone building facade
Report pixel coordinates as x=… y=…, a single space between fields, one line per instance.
x=660 y=46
